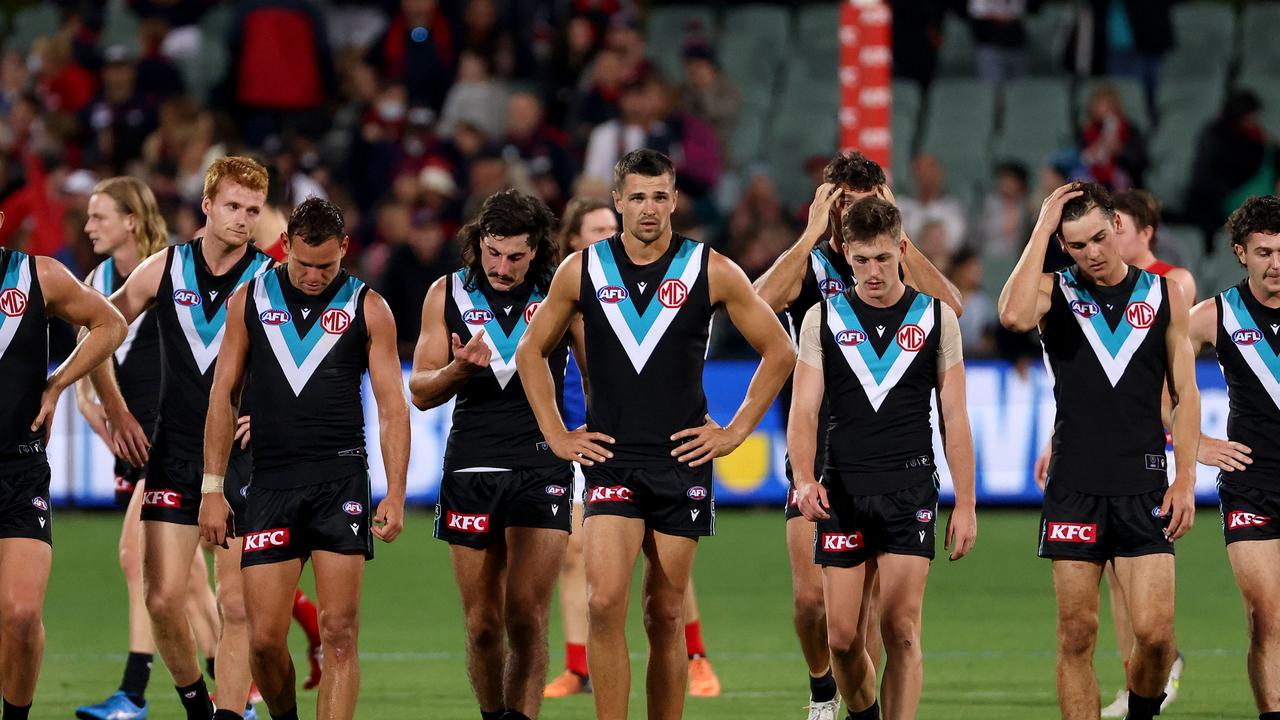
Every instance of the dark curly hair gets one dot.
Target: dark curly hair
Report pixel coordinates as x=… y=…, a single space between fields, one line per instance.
x=855 y=171
x=1095 y=196
x=1143 y=207
x=316 y=221
x=505 y=214
x=1258 y=214
x=870 y=218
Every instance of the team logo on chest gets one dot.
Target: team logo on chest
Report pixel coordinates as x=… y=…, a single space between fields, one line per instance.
x=474 y=308
x=15 y=288
x=274 y=317
x=1114 y=348
x=1247 y=337
x=299 y=355
x=829 y=282
x=203 y=331
x=13 y=302
x=639 y=333
x=878 y=373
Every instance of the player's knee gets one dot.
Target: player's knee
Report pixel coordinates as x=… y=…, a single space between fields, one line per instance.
x=22 y=620
x=900 y=631
x=1154 y=638
x=606 y=607
x=266 y=647
x=339 y=630
x=484 y=627
x=809 y=606
x=663 y=614
x=844 y=639
x=166 y=604
x=130 y=562
x=231 y=607
x=527 y=626
x=1077 y=635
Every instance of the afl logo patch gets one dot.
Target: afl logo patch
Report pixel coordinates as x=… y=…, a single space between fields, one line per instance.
x=911 y=338
x=830 y=287
x=851 y=337
x=335 y=321
x=697 y=492
x=351 y=507
x=274 y=317
x=13 y=302
x=1084 y=309
x=40 y=503
x=924 y=515
x=477 y=316
x=1140 y=315
x=1246 y=336
x=555 y=490
x=186 y=298
x=529 y=310
x=611 y=294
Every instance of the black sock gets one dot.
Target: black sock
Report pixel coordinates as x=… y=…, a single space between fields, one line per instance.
x=822 y=689
x=15 y=712
x=195 y=700
x=515 y=715
x=492 y=714
x=871 y=713
x=137 y=673
x=1143 y=708
x=225 y=714
x=208 y=668
x=291 y=715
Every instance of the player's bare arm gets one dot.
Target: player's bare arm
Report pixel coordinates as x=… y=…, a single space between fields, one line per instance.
x=780 y=284
x=220 y=423
x=753 y=317
x=73 y=301
x=578 y=343
x=387 y=382
x=1226 y=455
x=1180 y=499
x=556 y=314
x=807 y=388
x=962 y=526
x=442 y=363
x=87 y=399
x=1028 y=291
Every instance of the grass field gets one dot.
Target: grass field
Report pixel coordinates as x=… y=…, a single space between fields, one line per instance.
x=988 y=632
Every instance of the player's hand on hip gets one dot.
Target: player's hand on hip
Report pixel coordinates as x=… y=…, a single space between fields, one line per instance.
x=388 y=521
x=962 y=531
x=820 y=211
x=581 y=446
x=472 y=357
x=1223 y=454
x=811 y=500
x=242 y=431
x=214 y=515
x=1179 y=507
x=48 y=404
x=128 y=439
x=1051 y=208
x=705 y=443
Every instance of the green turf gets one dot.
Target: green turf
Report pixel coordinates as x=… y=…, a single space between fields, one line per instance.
x=988 y=631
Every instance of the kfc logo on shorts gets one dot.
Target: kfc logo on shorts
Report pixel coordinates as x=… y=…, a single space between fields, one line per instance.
x=1140 y=315
x=1237 y=519
x=162 y=498
x=529 y=310
x=611 y=294
x=672 y=293
x=186 y=298
x=831 y=287
x=1246 y=336
x=1073 y=532
x=697 y=492
x=123 y=486
x=274 y=317
x=40 y=504
x=266 y=539
x=841 y=542
x=791 y=497
x=617 y=493
x=555 y=490
x=351 y=507
x=13 y=302
x=924 y=515
x=466 y=523
x=477 y=316
x=911 y=337
x=335 y=321
x=851 y=337
x=1084 y=309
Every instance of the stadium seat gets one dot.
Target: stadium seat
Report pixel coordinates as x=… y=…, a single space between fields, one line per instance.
x=1191 y=63
x=1036 y=120
x=1267 y=86
x=1258 y=48
x=1220 y=268
x=794 y=137
x=669 y=27
x=748 y=134
x=1172 y=151
x=904 y=124
x=1132 y=95
x=958 y=126
x=1181 y=245
x=1205 y=26
x=816 y=42
x=815 y=22
x=996 y=269
x=754 y=72
x=1190 y=96
x=955 y=57
x=767 y=24
x=30 y=23
x=1047 y=32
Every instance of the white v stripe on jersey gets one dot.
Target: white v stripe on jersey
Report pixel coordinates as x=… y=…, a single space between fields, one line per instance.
x=1250 y=353
x=503 y=369
x=1113 y=365
x=23 y=285
x=298 y=374
x=639 y=350
x=878 y=390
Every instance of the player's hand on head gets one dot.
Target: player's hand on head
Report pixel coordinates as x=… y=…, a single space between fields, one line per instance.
x=1051 y=208
x=811 y=499
x=702 y=444
x=820 y=211
x=243 y=431
x=214 y=515
x=474 y=355
x=962 y=532
x=388 y=521
x=1225 y=455
x=127 y=438
x=581 y=446
x=884 y=193
x=1179 y=508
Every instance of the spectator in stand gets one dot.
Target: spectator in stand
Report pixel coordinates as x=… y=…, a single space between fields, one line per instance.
x=1000 y=38
x=411 y=268
x=62 y=84
x=37 y=210
x=417 y=50
x=484 y=34
x=759 y=209
x=1114 y=150
x=709 y=95
x=576 y=45
x=979 y=321
x=631 y=130
x=689 y=141
x=600 y=100
x=476 y=97
x=626 y=38
x=175 y=150
x=1130 y=38
x=543 y=147
x=917 y=35
x=934 y=244
x=158 y=79
x=1235 y=159
x=931 y=203
x=119 y=119
x=1003 y=224
x=1138 y=213
x=14 y=80
x=486 y=175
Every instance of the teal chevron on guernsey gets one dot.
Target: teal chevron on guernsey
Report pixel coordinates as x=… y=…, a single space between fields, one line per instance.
x=502 y=345
x=1262 y=360
x=16 y=291
x=1113 y=348
x=828 y=277
x=204 y=332
x=878 y=373
x=299 y=355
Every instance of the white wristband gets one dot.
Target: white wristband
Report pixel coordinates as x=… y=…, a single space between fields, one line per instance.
x=212 y=483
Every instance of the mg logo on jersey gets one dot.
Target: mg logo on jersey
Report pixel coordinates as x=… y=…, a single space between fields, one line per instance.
x=1140 y=315
x=911 y=338
x=611 y=294
x=477 y=316
x=1073 y=532
x=697 y=492
x=851 y=337
x=841 y=542
x=1237 y=519
x=1084 y=309
x=186 y=298
x=335 y=321
x=1246 y=336
x=266 y=539
x=830 y=287
x=555 y=490
x=351 y=507
x=162 y=498
x=529 y=310
x=466 y=523
x=40 y=504
x=13 y=302
x=672 y=293
x=617 y=493
x=274 y=317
